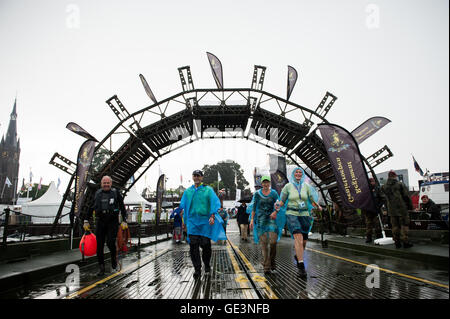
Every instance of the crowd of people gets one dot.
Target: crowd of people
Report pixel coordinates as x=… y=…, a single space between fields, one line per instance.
x=201 y=218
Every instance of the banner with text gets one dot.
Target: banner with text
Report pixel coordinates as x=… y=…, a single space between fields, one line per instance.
x=216 y=68
x=348 y=168
x=159 y=196
x=84 y=161
x=368 y=128
x=74 y=127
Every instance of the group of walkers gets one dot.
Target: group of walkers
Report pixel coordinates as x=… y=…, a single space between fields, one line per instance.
x=201 y=213
x=204 y=218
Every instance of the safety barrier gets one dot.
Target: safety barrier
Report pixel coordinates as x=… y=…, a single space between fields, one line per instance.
x=18 y=227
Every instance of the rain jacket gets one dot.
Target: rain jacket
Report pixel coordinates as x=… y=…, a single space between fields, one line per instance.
x=176 y=215
x=264 y=206
x=199 y=205
x=294 y=193
x=224 y=214
x=433 y=209
x=396 y=197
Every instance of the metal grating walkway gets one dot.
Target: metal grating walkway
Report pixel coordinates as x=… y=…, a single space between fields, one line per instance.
x=237 y=273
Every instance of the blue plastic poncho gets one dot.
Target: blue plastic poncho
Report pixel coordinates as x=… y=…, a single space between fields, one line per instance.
x=264 y=206
x=176 y=215
x=308 y=193
x=224 y=214
x=199 y=204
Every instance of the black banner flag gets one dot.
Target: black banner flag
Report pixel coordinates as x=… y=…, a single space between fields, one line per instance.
x=278 y=180
x=84 y=161
x=368 y=128
x=147 y=89
x=159 y=197
x=348 y=168
x=291 y=80
x=74 y=127
x=216 y=68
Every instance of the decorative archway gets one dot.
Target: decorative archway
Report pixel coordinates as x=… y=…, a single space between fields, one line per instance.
x=139 y=139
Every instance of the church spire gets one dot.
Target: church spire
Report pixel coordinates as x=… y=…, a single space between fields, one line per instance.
x=11 y=134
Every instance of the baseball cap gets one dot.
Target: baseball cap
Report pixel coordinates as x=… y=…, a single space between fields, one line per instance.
x=197 y=172
x=392 y=173
x=265 y=178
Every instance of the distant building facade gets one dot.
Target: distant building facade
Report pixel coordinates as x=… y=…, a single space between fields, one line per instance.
x=401 y=173
x=9 y=161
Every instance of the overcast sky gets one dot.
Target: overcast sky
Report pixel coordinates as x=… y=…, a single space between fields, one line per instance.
x=64 y=59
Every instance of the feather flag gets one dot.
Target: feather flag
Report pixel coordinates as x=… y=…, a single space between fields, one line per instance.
x=216 y=68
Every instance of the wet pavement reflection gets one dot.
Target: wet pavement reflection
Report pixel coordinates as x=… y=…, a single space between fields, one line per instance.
x=164 y=271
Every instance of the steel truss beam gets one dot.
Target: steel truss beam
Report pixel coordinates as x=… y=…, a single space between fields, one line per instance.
x=193 y=114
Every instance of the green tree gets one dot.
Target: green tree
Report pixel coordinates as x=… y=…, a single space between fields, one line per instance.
x=100 y=158
x=228 y=170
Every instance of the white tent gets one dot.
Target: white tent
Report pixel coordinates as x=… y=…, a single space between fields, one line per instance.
x=133 y=198
x=45 y=208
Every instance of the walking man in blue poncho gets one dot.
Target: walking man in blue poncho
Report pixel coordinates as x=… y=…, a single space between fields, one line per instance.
x=202 y=220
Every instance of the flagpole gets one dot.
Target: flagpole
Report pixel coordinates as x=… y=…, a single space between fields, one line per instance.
x=14 y=192
x=3 y=188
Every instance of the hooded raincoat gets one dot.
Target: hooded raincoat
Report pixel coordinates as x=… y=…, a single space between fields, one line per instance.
x=298 y=198
x=199 y=205
x=264 y=206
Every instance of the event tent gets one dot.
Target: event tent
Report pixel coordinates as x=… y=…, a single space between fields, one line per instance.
x=44 y=209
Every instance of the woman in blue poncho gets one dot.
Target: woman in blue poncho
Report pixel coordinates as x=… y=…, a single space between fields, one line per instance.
x=266 y=223
x=202 y=220
x=299 y=198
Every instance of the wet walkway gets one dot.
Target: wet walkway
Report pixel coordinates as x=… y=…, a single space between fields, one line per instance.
x=164 y=271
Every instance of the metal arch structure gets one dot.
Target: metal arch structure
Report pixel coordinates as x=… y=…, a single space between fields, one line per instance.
x=139 y=139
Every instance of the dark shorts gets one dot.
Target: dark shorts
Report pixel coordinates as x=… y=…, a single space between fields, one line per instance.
x=299 y=224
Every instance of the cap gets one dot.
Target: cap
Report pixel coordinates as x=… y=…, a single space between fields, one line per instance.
x=197 y=172
x=392 y=174
x=265 y=178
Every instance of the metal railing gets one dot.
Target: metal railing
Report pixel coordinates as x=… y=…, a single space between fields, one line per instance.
x=19 y=227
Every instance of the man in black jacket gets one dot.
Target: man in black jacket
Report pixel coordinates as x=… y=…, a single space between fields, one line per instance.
x=242 y=220
x=372 y=217
x=107 y=204
x=431 y=208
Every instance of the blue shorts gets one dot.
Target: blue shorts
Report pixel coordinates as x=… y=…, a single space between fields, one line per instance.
x=299 y=224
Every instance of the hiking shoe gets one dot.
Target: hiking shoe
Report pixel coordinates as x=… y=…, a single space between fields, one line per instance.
x=101 y=270
x=197 y=274
x=398 y=244
x=407 y=245
x=301 y=268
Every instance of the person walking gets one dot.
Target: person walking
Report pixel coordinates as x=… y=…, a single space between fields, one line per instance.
x=224 y=215
x=372 y=217
x=299 y=198
x=177 y=224
x=242 y=220
x=395 y=194
x=108 y=202
x=203 y=223
x=266 y=222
